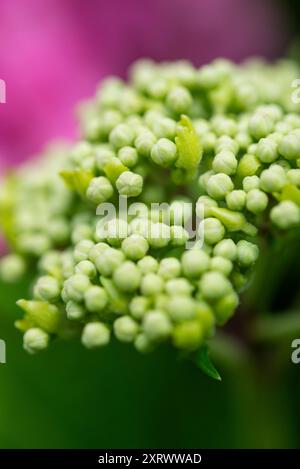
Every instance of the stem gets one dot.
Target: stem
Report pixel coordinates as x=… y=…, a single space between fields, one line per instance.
x=259 y=395
x=279 y=327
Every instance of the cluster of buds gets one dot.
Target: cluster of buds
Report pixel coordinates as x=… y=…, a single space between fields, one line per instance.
x=218 y=147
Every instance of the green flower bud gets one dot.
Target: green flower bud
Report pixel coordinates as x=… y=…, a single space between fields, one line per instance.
x=266 y=150
x=129 y=184
x=247 y=253
x=81 y=233
x=50 y=263
x=99 y=190
x=12 y=267
x=179 y=235
x=219 y=185
x=156 y=325
x=58 y=230
x=213 y=230
x=225 y=307
x=285 y=215
x=158 y=88
x=273 y=179
x=138 y=306
x=108 y=261
x=126 y=329
x=127 y=277
x=221 y=264
x=225 y=162
x=164 y=152
x=47 y=288
x=179 y=286
x=121 y=136
x=114 y=168
x=181 y=308
x=35 y=244
x=135 y=247
x=208 y=76
x=96 y=251
x=226 y=143
x=203 y=179
x=75 y=311
x=169 y=268
x=194 y=263
x=160 y=235
x=224 y=126
x=80 y=151
x=236 y=200
x=250 y=183
x=148 y=265
x=243 y=140
x=86 y=268
x=76 y=287
x=68 y=264
x=208 y=142
x=128 y=156
x=95 y=334
x=152 y=284
x=130 y=102
x=92 y=128
x=35 y=340
x=95 y=299
x=140 y=226
x=203 y=205
x=144 y=143
x=188 y=335
x=164 y=127
x=226 y=248
x=260 y=125
x=82 y=250
x=289 y=147
x=142 y=343
x=248 y=165
x=214 y=285
x=114 y=231
x=257 y=201
x=293 y=176
x=179 y=100
x=108 y=120
x=205 y=317
x=239 y=281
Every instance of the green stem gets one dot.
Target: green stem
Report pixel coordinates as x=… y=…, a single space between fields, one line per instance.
x=274 y=328
x=259 y=395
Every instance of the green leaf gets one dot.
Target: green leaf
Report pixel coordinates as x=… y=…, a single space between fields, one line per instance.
x=41 y=314
x=77 y=179
x=203 y=361
x=233 y=221
x=7 y=208
x=188 y=147
x=114 y=168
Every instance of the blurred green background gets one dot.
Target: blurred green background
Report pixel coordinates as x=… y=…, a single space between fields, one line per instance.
x=69 y=397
